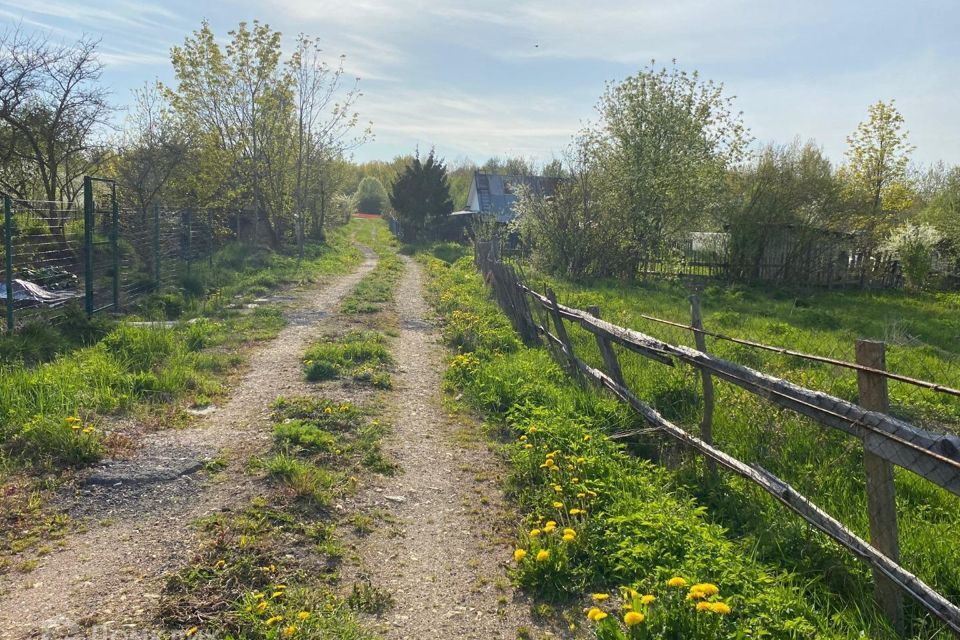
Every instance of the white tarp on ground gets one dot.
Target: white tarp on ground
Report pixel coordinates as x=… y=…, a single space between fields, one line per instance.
x=26 y=290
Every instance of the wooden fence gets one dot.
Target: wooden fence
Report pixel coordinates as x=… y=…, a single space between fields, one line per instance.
x=887 y=441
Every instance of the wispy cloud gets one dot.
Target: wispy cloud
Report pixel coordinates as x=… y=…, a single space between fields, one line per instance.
x=519 y=75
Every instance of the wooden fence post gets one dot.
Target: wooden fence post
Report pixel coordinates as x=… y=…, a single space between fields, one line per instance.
x=606 y=350
x=706 y=422
x=567 y=347
x=881 y=491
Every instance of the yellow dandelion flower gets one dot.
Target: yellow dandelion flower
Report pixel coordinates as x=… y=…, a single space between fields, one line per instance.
x=303 y=615
x=258 y=595
x=519 y=554
x=587 y=437
x=596 y=614
x=532 y=429
x=569 y=531
x=273 y=620
x=534 y=533
x=523 y=438
x=88 y=430
x=558 y=505
x=276 y=594
x=581 y=460
x=633 y=617
x=328 y=410
x=706 y=588
x=75 y=427
x=549 y=527
x=704 y=606
x=647 y=599
x=558 y=488
x=569 y=537
x=696 y=594
x=262 y=606
x=720 y=608
x=600 y=597
x=581 y=495
x=574 y=479
x=190 y=632
x=289 y=631
x=676 y=581
x=575 y=511
x=528 y=446
x=543 y=555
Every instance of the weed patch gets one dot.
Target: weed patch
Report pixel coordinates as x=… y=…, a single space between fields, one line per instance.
x=361 y=355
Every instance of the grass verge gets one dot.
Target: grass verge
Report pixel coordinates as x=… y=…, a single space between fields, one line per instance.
x=601 y=521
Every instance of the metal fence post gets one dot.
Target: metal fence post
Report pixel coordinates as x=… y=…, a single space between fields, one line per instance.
x=88 y=222
x=881 y=491
x=8 y=255
x=115 y=246
x=156 y=246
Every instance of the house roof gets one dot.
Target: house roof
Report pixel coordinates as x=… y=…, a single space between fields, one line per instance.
x=497 y=194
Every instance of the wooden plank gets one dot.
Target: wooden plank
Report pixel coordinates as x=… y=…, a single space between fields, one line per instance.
x=881 y=490
x=706 y=380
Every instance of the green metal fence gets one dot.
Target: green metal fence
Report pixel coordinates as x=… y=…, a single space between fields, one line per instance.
x=100 y=256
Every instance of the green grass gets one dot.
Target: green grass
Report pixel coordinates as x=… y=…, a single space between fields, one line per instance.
x=921 y=331
x=644 y=524
x=361 y=355
x=376 y=290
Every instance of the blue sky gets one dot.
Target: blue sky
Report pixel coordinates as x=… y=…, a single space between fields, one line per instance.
x=519 y=77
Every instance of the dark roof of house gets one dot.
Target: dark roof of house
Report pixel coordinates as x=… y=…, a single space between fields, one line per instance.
x=497 y=193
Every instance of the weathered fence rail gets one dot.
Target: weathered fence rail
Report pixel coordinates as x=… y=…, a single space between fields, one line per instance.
x=886 y=440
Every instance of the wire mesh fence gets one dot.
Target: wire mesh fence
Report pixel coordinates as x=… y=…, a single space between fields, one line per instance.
x=101 y=256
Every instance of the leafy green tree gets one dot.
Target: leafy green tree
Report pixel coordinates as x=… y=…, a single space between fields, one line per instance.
x=913 y=245
x=784 y=185
x=264 y=131
x=654 y=166
x=421 y=195
x=660 y=153
x=943 y=209
x=875 y=175
x=371 y=196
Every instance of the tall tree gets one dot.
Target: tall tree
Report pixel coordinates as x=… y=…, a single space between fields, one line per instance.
x=52 y=107
x=875 y=175
x=420 y=195
x=661 y=152
x=152 y=148
x=371 y=197
x=267 y=129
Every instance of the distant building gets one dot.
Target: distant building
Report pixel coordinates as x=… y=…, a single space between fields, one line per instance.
x=495 y=194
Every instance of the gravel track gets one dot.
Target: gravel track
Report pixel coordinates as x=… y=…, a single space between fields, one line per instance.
x=443 y=559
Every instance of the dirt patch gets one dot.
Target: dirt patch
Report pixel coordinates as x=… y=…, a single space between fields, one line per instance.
x=138 y=511
x=443 y=556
